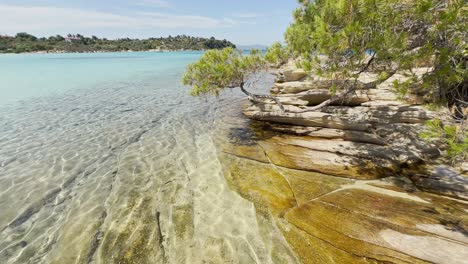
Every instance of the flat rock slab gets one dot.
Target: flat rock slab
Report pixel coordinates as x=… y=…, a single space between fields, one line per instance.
x=327 y=219
x=313 y=119
x=317 y=96
x=329 y=133
x=443 y=180
x=290 y=72
x=339 y=158
x=385 y=227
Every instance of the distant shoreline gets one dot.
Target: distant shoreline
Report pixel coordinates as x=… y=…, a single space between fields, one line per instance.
x=97 y=51
x=24 y=43
x=100 y=51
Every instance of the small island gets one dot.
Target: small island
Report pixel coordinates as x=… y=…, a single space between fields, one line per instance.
x=27 y=43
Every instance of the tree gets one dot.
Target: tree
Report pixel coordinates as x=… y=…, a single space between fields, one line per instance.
x=277 y=54
x=24 y=42
x=25 y=36
x=341 y=39
x=227 y=68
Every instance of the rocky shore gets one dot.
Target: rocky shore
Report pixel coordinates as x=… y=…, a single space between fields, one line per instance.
x=352 y=183
x=370 y=135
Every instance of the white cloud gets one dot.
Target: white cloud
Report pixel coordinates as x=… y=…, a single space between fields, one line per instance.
x=156 y=3
x=164 y=20
x=247 y=15
x=55 y=19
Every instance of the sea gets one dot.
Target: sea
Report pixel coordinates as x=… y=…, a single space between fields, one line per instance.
x=106 y=158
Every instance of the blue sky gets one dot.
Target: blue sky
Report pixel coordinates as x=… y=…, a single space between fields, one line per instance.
x=243 y=22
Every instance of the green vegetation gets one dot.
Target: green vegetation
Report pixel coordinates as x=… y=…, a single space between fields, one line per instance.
x=277 y=54
x=342 y=38
x=24 y=42
x=454 y=137
x=228 y=68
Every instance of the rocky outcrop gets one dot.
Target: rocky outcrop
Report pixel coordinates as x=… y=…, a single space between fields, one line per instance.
x=290 y=73
x=328 y=219
x=316 y=96
x=311 y=119
x=464 y=167
x=328 y=133
x=340 y=158
x=345 y=184
x=443 y=180
x=348 y=137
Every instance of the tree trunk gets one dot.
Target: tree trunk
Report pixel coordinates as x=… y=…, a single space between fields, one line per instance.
x=261 y=98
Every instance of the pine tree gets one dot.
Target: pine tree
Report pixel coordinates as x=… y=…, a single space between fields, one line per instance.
x=277 y=54
x=226 y=69
x=340 y=39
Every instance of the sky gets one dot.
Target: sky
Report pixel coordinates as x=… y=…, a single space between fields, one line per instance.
x=244 y=22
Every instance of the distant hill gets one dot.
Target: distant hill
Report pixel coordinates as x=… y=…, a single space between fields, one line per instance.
x=24 y=42
x=249 y=47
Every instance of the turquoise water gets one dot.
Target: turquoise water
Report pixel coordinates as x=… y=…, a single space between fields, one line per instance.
x=105 y=158
x=23 y=76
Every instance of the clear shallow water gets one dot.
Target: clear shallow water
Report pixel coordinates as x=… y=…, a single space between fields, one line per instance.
x=105 y=158
x=33 y=75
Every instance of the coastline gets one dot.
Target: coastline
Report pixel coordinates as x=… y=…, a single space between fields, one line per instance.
x=27 y=43
x=341 y=195
x=100 y=51
x=247 y=180
x=344 y=140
